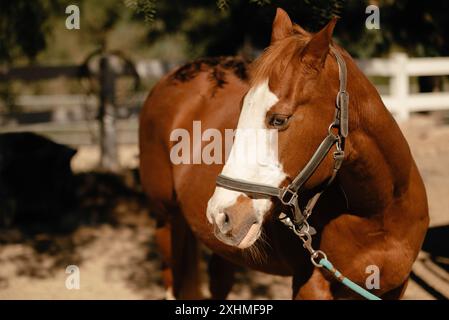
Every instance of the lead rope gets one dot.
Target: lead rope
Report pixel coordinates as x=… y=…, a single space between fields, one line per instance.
x=319 y=258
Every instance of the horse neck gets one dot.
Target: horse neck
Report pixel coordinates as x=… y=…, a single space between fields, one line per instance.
x=378 y=163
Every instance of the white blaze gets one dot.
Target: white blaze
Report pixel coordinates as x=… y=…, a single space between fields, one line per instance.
x=254 y=154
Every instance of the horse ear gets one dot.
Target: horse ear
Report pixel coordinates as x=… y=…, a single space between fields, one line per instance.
x=282 y=26
x=317 y=48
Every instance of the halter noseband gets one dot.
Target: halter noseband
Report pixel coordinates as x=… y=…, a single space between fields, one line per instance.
x=289 y=195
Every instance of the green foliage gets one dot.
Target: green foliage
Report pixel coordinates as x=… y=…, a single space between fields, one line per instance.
x=324 y=10
x=224 y=4
x=226 y=27
x=220 y=27
x=145 y=7
x=420 y=27
x=23 y=27
x=261 y=2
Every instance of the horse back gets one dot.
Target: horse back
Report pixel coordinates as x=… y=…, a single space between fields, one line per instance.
x=207 y=90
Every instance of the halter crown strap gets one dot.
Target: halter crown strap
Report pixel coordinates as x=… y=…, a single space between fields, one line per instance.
x=342 y=100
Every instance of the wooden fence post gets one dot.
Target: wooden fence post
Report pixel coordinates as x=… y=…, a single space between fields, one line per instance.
x=107 y=114
x=399 y=85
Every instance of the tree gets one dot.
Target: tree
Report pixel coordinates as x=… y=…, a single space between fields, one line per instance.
x=420 y=27
x=225 y=27
x=23 y=27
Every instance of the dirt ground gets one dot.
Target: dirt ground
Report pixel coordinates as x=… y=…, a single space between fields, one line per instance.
x=109 y=236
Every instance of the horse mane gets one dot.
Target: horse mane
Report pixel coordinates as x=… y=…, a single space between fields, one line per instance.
x=277 y=56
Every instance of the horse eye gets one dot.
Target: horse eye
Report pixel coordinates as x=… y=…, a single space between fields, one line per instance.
x=278 y=121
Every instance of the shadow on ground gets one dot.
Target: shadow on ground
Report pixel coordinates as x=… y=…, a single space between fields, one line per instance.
x=108 y=216
x=436 y=244
x=56 y=241
x=433 y=263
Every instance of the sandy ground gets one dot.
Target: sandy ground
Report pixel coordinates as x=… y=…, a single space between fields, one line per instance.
x=112 y=239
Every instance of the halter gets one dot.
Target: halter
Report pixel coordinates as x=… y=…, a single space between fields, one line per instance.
x=289 y=195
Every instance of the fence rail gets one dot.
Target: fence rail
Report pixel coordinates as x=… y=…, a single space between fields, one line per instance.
x=106 y=67
x=399 y=67
x=401 y=101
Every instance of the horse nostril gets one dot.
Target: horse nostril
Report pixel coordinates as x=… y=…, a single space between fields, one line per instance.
x=226 y=218
x=223 y=222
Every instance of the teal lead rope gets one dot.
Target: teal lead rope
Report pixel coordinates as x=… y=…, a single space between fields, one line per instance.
x=319 y=258
x=351 y=285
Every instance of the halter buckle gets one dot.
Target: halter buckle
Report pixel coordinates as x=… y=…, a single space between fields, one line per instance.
x=342 y=99
x=288 y=197
x=342 y=107
x=339 y=156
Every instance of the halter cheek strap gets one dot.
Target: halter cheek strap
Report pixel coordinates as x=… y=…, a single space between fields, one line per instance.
x=337 y=132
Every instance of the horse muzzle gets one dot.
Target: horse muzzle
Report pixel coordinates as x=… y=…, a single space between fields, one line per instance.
x=237 y=225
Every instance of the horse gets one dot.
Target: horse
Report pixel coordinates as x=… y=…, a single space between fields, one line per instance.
x=373 y=211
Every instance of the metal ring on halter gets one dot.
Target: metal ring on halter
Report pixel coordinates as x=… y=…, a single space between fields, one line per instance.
x=329 y=130
x=303 y=230
x=315 y=255
x=293 y=197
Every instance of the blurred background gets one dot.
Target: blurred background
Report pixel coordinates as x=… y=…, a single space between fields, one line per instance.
x=69 y=104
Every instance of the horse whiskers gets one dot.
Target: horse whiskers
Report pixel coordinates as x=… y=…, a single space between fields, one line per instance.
x=257 y=252
x=263 y=239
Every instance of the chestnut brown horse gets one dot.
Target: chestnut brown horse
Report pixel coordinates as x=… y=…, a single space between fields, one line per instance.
x=374 y=213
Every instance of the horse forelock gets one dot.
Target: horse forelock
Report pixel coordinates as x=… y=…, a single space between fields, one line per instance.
x=277 y=57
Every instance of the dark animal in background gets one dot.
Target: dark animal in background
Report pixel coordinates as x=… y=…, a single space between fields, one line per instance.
x=36 y=181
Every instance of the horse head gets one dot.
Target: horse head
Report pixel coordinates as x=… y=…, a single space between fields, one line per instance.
x=293 y=92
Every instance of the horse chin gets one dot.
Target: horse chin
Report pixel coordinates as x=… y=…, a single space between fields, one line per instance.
x=251 y=236
x=242 y=241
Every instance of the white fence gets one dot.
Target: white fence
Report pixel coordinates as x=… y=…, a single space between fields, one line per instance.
x=399 y=67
